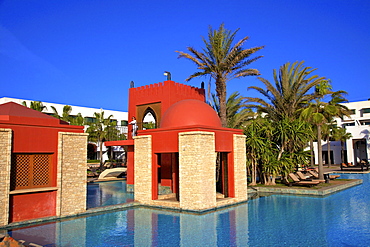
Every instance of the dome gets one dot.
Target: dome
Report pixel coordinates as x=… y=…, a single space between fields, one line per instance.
x=190 y=112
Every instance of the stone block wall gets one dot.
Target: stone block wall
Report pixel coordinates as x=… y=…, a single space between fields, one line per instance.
x=143 y=169
x=240 y=168
x=197 y=177
x=5 y=163
x=71 y=173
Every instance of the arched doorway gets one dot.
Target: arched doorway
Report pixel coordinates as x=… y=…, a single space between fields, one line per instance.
x=149 y=119
x=150 y=113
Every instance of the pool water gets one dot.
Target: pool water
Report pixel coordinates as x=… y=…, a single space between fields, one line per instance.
x=341 y=219
x=107 y=193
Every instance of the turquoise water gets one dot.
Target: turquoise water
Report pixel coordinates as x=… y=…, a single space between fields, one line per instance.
x=341 y=219
x=107 y=193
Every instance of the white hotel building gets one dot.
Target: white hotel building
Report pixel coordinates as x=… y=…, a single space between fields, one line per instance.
x=88 y=113
x=358 y=124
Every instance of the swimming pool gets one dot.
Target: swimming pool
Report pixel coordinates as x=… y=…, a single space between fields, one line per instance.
x=342 y=219
x=107 y=193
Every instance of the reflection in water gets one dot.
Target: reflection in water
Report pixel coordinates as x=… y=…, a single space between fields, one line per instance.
x=342 y=219
x=107 y=193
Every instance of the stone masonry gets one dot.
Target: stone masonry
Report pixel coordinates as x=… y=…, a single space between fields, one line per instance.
x=197 y=170
x=143 y=169
x=240 y=169
x=5 y=162
x=71 y=175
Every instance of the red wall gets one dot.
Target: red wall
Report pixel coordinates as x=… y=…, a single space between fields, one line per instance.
x=38 y=136
x=167 y=93
x=32 y=206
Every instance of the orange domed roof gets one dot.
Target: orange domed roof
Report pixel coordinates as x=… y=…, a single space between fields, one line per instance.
x=190 y=112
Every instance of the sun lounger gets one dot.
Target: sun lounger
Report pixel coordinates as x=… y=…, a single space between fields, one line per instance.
x=302 y=176
x=316 y=175
x=359 y=166
x=297 y=181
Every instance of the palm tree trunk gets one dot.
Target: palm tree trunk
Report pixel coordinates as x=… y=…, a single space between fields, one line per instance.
x=319 y=148
x=312 y=153
x=253 y=173
x=266 y=180
x=342 y=151
x=281 y=151
x=101 y=155
x=273 y=180
x=221 y=94
x=329 y=155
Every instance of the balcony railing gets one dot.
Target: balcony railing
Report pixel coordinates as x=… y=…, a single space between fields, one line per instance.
x=116 y=133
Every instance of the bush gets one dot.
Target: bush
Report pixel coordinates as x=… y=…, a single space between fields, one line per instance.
x=93 y=161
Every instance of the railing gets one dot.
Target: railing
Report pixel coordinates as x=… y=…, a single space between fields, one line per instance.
x=116 y=133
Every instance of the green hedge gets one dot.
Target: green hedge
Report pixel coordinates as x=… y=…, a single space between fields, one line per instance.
x=93 y=161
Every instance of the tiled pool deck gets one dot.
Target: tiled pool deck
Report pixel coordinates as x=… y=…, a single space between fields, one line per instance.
x=322 y=190
x=333 y=187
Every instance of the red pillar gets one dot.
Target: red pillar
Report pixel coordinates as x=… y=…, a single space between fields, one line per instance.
x=130 y=165
x=154 y=176
x=231 y=185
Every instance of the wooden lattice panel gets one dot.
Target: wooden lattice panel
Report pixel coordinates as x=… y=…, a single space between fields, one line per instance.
x=41 y=170
x=20 y=171
x=31 y=171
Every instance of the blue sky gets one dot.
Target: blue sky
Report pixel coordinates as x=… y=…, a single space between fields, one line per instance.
x=86 y=52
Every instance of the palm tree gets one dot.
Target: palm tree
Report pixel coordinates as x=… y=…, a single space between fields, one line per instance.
x=223 y=61
x=77 y=120
x=236 y=112
x=289 y=93
x=67 y=117
x=290 y=138
x=341 y=134
x=337 y=98
x=98 y=131
x=255 y=144
x=67 y=109
x=316 y=113
x=326 y=134
x=283 y=101
x=35 y=105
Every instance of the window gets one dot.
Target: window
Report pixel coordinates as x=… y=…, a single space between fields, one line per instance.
x=365 y=122
x=366 y=110
x=124 y=123
x=353 y=111
x=31 y=171
x=90 y=120
x=348 y=124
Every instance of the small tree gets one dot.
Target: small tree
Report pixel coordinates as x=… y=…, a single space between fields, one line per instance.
x=236 y=111
x=66 y=116
x=315 y=114
x=67 y=109
x=78 y=120
x=35 y=105
x=341 y=134
x=98 y=130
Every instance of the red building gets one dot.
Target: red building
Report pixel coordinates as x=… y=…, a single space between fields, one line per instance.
x=188 y=149
x=37 y=151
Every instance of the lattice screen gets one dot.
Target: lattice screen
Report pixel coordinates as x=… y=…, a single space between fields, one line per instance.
x=31 y=171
